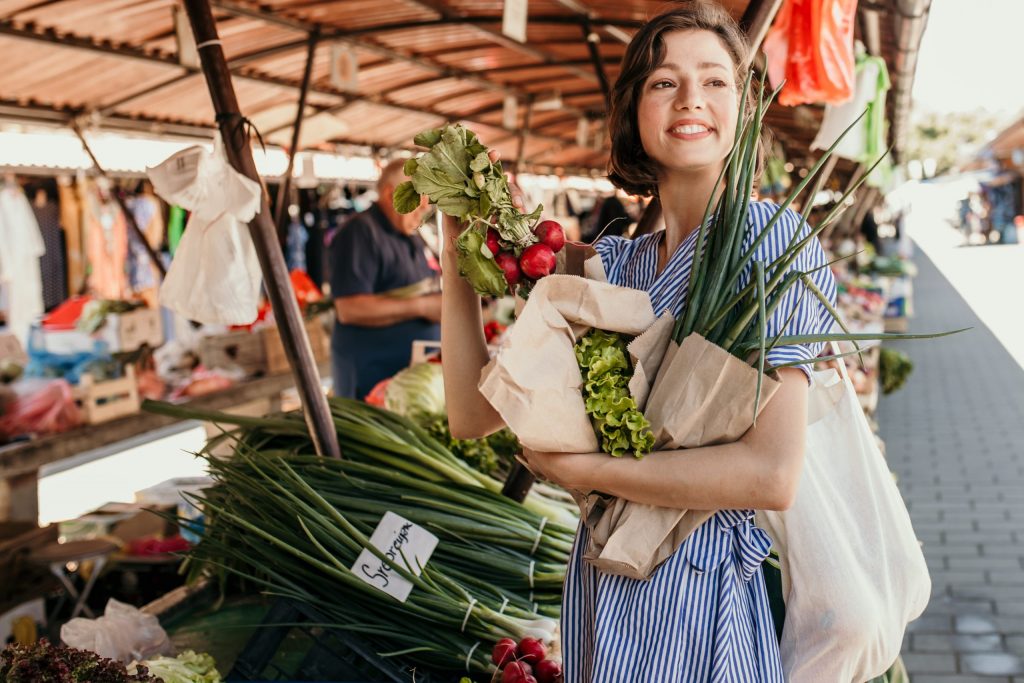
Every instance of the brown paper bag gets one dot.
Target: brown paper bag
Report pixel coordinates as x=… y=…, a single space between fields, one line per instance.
x=702 y=396
x=534 y=380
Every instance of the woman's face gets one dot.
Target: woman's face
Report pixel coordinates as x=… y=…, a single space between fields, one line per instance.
x=688 y=105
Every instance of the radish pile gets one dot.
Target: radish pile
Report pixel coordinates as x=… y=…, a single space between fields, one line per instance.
x=526 y=662
x=502 y=250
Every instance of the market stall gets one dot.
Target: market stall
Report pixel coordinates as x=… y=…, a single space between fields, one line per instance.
x=310 y=77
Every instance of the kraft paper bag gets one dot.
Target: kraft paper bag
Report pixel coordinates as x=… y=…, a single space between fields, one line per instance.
x=534 y=380
x=702 y=396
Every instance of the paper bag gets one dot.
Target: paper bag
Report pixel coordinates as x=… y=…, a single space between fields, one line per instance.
x=702 y=396
x=534 y=380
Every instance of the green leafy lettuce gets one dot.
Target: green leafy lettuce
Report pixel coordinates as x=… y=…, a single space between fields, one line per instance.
x=477 y=265
x=618 y=423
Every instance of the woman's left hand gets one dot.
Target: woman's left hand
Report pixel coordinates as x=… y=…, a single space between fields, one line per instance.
x=573 y=471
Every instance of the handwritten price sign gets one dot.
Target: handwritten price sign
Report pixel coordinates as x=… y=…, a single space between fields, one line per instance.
x=405 y=545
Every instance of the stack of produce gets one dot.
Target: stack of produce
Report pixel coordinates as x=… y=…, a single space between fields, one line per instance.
x=295 y=523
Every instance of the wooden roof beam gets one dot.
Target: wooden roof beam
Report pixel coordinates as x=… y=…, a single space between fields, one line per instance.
x=128 y=52
x=440 y=68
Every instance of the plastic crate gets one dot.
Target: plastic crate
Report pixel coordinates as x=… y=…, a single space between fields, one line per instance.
x=329 y=655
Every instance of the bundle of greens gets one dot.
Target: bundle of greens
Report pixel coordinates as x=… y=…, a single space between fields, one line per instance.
x=731 y=295
x=295 y=523
x=605 y=368
x=502 y=248
x=894 y=368
x=188 y=667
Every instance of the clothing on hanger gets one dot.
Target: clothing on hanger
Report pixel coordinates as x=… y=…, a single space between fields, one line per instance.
x=106 y=245
x=21 y=245
x=52 y=264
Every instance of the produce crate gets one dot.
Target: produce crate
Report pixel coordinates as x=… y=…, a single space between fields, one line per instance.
x=277 y=362
x=103 y=401
x=333 y=654
x=240 y=349
x=129 y=331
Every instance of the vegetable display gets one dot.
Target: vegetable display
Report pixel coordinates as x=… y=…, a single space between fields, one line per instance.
x=50 y=663
x=618 y=422
x=295 y=523
x=188 y=667
x=894 y=368
x=502 y=249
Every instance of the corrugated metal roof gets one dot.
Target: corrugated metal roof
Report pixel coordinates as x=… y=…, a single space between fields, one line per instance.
x=420 y=62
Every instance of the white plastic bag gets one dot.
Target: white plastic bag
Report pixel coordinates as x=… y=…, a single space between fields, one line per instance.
x=215 y=275
x=853 y=574
x=123 y=633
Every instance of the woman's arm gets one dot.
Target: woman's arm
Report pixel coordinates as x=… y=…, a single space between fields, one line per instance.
x=463 y=348
x=760 y=471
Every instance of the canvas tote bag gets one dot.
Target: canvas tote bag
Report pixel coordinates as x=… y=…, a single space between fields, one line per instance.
x=853 y=574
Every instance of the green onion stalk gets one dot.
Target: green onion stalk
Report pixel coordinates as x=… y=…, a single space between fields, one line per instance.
x=293 y=524
x=731 y=295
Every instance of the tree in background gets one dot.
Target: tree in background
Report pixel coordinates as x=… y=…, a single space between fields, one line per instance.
x=950 y=138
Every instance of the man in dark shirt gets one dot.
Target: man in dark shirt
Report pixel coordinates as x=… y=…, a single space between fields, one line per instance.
x=375 y=253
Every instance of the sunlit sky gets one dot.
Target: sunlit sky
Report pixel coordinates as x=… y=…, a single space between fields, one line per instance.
x=971 y=56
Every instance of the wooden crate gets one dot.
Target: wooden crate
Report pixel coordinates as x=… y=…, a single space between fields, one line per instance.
x=138 y=327
x=103 y=401
x=240 y=349
x=277 y=362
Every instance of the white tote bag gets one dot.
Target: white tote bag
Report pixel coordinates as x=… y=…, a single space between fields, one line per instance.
x=853 y=574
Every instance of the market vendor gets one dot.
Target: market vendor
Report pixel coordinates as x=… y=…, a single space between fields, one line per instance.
x=385 y=291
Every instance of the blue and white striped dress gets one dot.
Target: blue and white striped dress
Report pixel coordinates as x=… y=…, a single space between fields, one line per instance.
x=704 y=616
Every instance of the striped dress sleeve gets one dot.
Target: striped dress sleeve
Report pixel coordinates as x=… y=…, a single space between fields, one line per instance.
x=611 y=249
x=800 y=312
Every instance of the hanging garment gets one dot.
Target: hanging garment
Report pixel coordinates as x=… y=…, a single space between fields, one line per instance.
x=71 y=213
x=106 y=246
x=52 y=264
x=866 y=141
x=21 y=245
x=175 y=228
x=810 y=45
x=142 y=274
x=295 y=247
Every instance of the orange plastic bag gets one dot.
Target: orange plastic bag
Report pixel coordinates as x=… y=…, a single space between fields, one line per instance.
x=810 y=44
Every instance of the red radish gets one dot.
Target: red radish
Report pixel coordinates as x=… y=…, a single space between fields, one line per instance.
x=531 y=650
x=504 y=652
x=551 y=234
x=549 y=671
x=537 y=261
x=492 y=241
x=506 y=260
x=517 y=672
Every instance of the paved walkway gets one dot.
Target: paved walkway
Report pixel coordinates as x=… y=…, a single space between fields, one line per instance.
x=955 y=438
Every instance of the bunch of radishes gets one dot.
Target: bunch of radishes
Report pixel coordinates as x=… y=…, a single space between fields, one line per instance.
x=525 y=662
x=535 y=261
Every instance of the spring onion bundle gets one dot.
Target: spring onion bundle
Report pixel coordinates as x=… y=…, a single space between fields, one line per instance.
x=295 y=523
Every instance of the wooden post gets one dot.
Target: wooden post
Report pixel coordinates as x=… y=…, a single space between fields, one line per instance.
x=264 y=236
x=128 y=215
x=593 y=39
x=281 y=219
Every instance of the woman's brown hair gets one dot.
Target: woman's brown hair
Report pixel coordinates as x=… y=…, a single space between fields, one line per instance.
x=629 y=167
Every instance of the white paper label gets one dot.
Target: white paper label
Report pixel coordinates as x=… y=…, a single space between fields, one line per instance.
x=396 y=537
x=513 y=20
x=510 y=112
x=344 y=68
x=188 y=54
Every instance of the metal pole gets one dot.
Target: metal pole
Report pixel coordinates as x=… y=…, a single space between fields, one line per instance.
x=593 y=39
x=264 y=236
x=286 y=182
x=128 y=215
